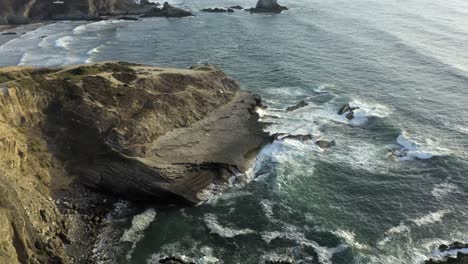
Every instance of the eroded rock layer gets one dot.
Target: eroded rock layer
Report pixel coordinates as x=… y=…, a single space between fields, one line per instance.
x=146 y=133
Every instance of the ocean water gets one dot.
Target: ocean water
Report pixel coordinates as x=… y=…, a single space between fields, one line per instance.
x=404 y=63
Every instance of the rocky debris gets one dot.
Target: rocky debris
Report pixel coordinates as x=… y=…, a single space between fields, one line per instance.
x=145 y=133
x=348 y=110
x=461 y=258
x=268 y=6
x=9 y=33
x=217 y=10
x=301 y=104
x=167 y=11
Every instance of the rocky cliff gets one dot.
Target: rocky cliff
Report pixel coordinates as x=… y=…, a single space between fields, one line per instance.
x=21 y=11
x=145 y=133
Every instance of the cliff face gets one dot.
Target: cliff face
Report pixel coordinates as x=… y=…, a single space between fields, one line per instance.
x=146 y=133
x=20 y=11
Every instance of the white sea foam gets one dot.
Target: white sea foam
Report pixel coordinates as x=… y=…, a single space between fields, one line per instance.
x=398 y=229
x=267 y=207
x=198 y=255
x=415 y=148
x=139 y=223
x=211 y=222
x=431 y=218
x=97 y=26
x=441 y=191
x=363 y=112
x=135 y=233
x=350 y=238
x=64 y=42
x=291 y=233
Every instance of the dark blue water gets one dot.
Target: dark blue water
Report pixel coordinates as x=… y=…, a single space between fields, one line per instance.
x=404 y=63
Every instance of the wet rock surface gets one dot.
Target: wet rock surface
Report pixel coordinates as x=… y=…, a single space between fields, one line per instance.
x=167 y=10
x=459 y=249
x=301 y=104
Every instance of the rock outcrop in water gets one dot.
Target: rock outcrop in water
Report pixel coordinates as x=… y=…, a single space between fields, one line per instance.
x=167 y=11
x=145 y=133
x=458 y=247
x=268 y=6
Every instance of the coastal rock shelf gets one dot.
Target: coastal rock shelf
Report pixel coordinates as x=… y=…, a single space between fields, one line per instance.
x=144 y=133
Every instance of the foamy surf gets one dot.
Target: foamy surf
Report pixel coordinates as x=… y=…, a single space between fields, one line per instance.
x=135 y=233
x=290 y=232
x=413 y=148
x=211 y=221
x=64 y=42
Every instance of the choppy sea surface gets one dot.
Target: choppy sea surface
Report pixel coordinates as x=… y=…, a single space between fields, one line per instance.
x=404 y=63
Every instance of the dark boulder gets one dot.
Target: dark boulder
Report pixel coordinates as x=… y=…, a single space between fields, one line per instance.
x=300 y=137
x=348 y=110
x=9 y=33
x=175 y=260
x=217 y=10
x=345 y=108
x=268 y=6
x=297 y=106
x=238 y=7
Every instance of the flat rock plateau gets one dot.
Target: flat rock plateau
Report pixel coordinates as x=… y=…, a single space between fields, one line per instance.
x=73 y=138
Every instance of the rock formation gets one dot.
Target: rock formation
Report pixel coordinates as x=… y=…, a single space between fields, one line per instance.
x=218 y=10
x=167 y=11
x=24 y=11
x=21 y=11
x=145 y=133
x=268 y=6
x=460 y=258
x=301 y=104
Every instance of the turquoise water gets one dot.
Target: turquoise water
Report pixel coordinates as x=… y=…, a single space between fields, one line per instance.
x=405 y=63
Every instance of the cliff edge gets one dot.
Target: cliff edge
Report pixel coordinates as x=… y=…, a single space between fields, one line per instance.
x=144 y=133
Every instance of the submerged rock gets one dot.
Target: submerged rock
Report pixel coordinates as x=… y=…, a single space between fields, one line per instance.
x=301 y=104
x=268 y=6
